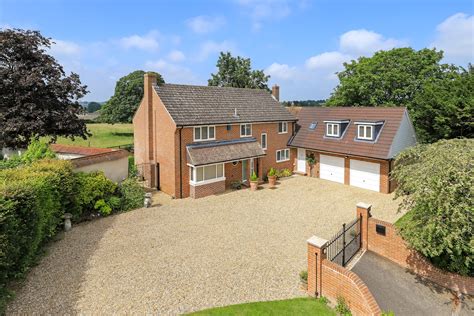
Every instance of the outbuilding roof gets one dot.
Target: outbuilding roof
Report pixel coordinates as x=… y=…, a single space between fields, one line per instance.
x=348 y=144
x=202 y=105
x=223 y=151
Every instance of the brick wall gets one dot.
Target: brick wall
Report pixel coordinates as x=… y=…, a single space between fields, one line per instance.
x=393 y=247
x=340 y=282
x=203 y=190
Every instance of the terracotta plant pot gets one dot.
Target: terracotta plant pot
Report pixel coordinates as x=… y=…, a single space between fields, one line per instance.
x=253 y=185
x=272 y=181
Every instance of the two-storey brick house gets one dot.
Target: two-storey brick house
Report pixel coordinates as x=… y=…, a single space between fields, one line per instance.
x=198 y=140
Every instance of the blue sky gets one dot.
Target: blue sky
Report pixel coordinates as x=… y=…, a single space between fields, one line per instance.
x=300 y=43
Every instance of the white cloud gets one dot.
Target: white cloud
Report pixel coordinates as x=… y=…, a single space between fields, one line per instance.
x=172 y=73
x=281 y=71
x=364 y=42
x=147 y=42
x=455 y=36
x=176 y=56
x=263 y=10
x=210 y=47
x=205 y=24
x=59 y=47
x=331 y=60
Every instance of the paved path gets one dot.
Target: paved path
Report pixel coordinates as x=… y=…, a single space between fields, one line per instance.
x=188 y=255
x=402 y=292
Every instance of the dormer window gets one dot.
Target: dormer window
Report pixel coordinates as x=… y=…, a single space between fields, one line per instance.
x=333 y=129
x=365 y=132
x=368 y=130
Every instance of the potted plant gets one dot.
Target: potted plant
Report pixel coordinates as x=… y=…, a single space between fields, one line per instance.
x=311 y=162
x=272 y=178
x=253 y=181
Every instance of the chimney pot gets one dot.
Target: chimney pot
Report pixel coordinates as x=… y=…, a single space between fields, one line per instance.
x=276 y=92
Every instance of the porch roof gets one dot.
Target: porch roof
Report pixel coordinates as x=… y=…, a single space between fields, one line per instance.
x=200 y=154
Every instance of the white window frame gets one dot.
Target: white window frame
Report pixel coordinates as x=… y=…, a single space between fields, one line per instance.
x=193 y=177
x=364 y=128
x=266 y=141
x=332 y=134
x=245 y=135
x=284 y=127
x=200 y=139
x=286 y=155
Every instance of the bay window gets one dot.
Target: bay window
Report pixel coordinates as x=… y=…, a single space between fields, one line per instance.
x=206 y=174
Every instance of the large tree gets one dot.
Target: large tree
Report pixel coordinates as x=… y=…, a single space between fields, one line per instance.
x=406 y=77
x=237 y=72
x=37 y=98
x=436 y=182
x=93 y=107
x=127 y=97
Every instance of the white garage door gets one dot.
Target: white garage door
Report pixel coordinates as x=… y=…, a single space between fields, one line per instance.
x=331 y=168
x=365 y=175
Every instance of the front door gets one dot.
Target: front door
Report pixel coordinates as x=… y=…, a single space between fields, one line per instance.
x=244 y=170
x=301 y=166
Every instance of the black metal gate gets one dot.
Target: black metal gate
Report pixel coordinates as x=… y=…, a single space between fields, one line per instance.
x=345 y=244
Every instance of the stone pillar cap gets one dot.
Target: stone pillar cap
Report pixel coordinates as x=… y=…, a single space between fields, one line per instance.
x=317 y=241
x=364 y=205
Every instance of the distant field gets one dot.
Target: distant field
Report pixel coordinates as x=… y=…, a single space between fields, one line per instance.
x=103 y=135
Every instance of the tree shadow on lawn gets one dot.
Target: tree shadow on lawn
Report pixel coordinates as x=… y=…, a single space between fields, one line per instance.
x=54 y=285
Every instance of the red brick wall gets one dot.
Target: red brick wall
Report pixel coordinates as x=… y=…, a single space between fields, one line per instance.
x=275 y=141
x=340 y=282
x=203 y=190
x=385 y=186
x=393 y=247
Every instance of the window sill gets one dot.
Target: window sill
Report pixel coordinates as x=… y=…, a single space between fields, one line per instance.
x=203 y=140
x=278 y=161
x=283 y=132
x=195 y=184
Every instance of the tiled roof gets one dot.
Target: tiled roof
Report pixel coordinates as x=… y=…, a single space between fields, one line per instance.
x=347 y=144
x=223 y=151
x=93 y=159
x=78 y=150
x=199 y=105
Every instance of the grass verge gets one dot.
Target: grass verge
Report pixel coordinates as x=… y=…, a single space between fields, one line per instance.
x=297 y=306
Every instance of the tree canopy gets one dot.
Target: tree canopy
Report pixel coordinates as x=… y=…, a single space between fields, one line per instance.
x=127 y=97
x=93 y=107
x=436 y=182
x=438 y=96
x=37 y=97
x=237 y=72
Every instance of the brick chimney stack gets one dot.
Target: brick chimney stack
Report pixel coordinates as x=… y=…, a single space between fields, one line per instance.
x=149 y=81
x=276 y=92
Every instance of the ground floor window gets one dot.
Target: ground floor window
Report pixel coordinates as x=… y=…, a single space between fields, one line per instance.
x=282 y=155
x=210 y=173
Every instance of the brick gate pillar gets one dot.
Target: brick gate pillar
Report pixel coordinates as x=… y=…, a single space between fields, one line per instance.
x=363 y=210
x=316 y=255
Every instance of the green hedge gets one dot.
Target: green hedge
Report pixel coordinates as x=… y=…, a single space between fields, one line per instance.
x=33 y=200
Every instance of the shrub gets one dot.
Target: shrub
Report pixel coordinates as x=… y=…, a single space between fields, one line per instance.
x=253 y=177
x=13 y=162
x=92 y=187
x=37 y=150
x=131 y=194
x=115 y=203
x=103 y=208
x=272 y=172
x=132 y=169
x=282 y=173
x=437 y=185
x=323 y=300
x=304 y=275
x=342 y=308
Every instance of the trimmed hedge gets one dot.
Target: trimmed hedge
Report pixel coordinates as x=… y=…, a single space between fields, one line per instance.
x=33 y=200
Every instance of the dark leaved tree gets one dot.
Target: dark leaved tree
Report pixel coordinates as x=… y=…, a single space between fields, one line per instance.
x=37 y=98
x=127 y=97
x=93 y=107
x=237 y=72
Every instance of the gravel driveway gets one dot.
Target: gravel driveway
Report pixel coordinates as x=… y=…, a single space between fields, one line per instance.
x=186 y=255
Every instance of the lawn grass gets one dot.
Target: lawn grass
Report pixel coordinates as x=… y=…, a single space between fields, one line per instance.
x=103 y=136
x=297 y=306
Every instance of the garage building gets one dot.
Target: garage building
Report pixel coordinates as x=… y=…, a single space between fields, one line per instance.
x=352 y=145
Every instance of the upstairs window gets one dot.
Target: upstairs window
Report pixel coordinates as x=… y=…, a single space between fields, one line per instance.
x=312 y=126
x=333 y=129
x=245 y=130
x=202 y=133
x=263 y=141
x=282 y=127
x=365 y=132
